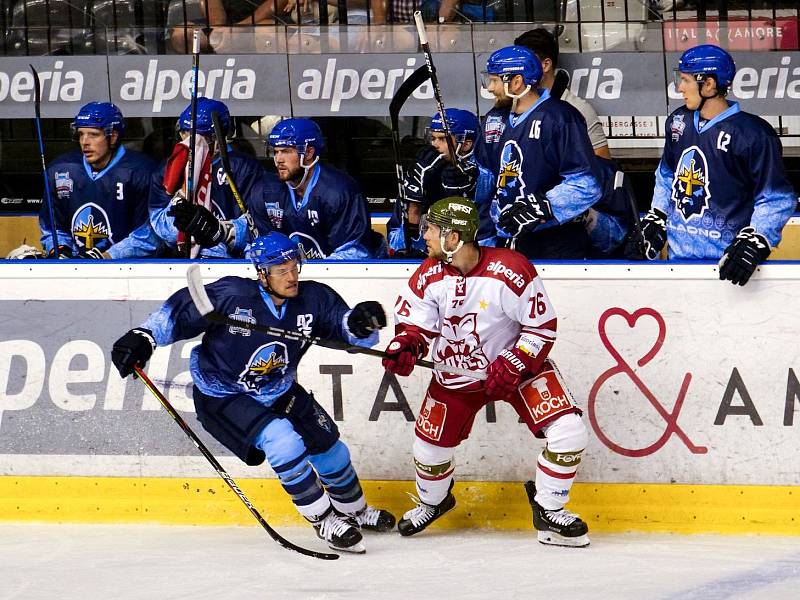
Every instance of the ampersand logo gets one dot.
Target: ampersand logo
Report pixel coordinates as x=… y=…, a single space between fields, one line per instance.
x=622 y=367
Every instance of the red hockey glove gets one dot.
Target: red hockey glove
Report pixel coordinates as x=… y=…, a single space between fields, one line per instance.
x=403 y=351
x=505 y=373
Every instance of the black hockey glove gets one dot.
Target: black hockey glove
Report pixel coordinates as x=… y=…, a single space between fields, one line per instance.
x=197 y=221
x=653 y=238
x=427 y=167
x=64 y=252
x=460 y=179
x=741 y=258
x=93 y=253
x=525 y=215
x=365 y=318
x=134 y=348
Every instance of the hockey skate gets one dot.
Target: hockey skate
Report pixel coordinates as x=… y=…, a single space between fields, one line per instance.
x=418 y=518
x=339 y=532
x=374 y=519
x=557 y=527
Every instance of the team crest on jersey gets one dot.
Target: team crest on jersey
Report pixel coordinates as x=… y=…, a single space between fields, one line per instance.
x=64 y=184
x=274 y=214
x=677 y=127
x=463 y=347
x=493 y=128
x=265 y=361
x=91 y=228
x=509 y=180
x=244 y=315
x=690 y=186
x=310 y=246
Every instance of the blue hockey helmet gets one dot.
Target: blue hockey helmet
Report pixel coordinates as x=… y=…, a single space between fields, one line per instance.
x=708 y=59
x=274 y=248
x=463 y=124
x=515 y=60
x=99 y=115
x=205 y=123
x=297 y=133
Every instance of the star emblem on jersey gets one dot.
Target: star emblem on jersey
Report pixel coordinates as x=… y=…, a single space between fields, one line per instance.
x=690 y=185
x=265 y=361
x=90 y=227
x=483 y=304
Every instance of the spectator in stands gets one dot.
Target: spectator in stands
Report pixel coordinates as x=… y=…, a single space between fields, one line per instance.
x=721 y=189
x=313 y=203
x=99 y=193
x=219 y=230
x=434 y=176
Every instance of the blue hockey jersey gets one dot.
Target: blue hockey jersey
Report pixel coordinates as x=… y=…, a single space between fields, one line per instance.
x=546 y=151
x=247 y=174
x=233 y=360
x=483 y=193
x=330 y=220
x=106 y=210
x=719 y=176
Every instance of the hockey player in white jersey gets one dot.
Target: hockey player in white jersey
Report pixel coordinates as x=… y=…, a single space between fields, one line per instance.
x=484 y=309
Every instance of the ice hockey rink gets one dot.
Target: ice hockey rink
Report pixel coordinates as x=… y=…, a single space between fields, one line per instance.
x=144 y=562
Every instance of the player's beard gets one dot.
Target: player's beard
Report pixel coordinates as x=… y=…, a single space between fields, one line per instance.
x=436 y=254
x=503 y=102
x=294 y=176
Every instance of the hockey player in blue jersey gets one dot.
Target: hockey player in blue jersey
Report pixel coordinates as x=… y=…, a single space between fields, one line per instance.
x=546 y=174
x=221 y=232
x=434 y=177
x=721 y=190
x=245 y=382
x=100 y=192
x=312 y=202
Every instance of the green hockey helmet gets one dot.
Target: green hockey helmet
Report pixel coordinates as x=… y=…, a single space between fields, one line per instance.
x=456 y=214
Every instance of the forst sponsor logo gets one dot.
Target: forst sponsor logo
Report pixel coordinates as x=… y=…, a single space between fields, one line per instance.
x=339 y=84
x=161 y=85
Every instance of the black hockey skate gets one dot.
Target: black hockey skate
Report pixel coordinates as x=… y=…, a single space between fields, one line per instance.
x=374 y=519
x=557 y=527
x=418 y=518
x=339 y=532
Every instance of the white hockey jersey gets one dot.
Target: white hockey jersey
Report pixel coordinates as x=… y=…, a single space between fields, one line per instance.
x=470 y=318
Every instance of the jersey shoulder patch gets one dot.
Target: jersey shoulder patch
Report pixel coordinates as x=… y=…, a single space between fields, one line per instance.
x=510 y=267
x=430 y=271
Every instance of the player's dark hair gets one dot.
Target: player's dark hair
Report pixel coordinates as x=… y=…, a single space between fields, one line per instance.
x=542 y=42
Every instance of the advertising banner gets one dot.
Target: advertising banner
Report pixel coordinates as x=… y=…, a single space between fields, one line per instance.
x=682 y=378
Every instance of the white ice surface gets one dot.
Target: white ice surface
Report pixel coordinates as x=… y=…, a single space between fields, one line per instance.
x=94 y=562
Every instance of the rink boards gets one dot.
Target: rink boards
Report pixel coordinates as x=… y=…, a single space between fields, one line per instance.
x=690 y=389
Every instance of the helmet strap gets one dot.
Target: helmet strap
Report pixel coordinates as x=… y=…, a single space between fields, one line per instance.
x=515 y=97
x=448 y=254
x=306 y=169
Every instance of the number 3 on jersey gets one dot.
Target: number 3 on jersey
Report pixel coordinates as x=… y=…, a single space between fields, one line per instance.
x=538 y=307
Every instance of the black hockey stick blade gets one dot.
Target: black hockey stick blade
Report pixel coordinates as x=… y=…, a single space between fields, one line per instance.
x=224 y=474
x=37 y=92
x=403 y=93
x=206 y=309
x=560 y=84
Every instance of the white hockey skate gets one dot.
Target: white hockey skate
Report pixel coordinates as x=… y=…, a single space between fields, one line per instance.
x=557 y=527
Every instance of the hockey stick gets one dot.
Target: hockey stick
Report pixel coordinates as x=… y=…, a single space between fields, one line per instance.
x=437 y=92
x=222 y=143
x=187 y=248
x=417 y=78
x=619 y=183
x=206 y=309
x=37 y=103
x=223 y=473
x=560 y=84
